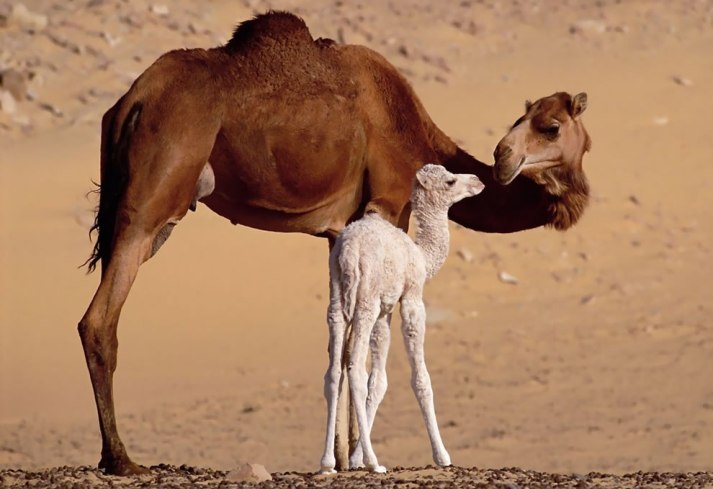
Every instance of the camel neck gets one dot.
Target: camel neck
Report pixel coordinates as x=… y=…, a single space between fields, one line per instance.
x=499 y=208
x=432 y=235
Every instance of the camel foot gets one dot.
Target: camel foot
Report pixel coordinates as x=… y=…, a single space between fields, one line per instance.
x=327 y=471
x=442 y=459
x=378 y=469
x=122 y=466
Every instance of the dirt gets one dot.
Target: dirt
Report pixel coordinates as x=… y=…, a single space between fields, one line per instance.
x=170 y=477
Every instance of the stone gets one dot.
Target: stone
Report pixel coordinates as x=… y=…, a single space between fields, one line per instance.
x=588 y=26
x=505 y=277
x=465 y=255
x=22 y=16
x=7 y=102
x=249 y=473
x=14 y=82
x=159 y=9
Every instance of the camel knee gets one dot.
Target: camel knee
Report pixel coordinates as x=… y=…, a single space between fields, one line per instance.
x=378 y=385
x=93 y=342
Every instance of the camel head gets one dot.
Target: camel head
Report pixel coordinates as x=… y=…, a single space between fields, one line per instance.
x=546 y=144
x=440 y=188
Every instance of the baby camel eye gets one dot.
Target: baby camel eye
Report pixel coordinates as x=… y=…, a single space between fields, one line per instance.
x=451 y=182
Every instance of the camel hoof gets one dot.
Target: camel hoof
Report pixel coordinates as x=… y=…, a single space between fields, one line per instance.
x=122 y=467
x=443 y=460
x=327 y=471
x=378 y=469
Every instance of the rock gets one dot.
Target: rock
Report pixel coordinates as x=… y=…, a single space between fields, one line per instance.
x=110 y=40
x=159 y=9
x=14 y=82
x=465 y=255
x=249 y=473
x=7 y=102
x=685 y=82
x=52 y=109
x=588 y=26
x=22 y=16
x=505 y=277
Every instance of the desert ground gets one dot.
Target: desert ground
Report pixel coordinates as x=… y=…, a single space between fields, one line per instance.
x=577 y=352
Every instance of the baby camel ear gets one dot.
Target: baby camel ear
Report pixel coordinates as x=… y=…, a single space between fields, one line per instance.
x=528 y=104
x=423 y=179
x=579 y=104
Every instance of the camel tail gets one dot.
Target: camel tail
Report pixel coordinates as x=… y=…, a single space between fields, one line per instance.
x=114 y=178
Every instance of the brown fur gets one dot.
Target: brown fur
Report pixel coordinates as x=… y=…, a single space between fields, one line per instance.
x=555 y=158
x=301 y=136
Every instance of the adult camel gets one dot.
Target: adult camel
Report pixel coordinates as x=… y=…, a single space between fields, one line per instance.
x=278 y=131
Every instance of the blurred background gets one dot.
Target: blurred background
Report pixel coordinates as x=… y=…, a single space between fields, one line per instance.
x=588 y=350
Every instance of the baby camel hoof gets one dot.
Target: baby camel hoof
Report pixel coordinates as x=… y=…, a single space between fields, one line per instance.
x=327 y=471
x=444 y=461
x=378 y=469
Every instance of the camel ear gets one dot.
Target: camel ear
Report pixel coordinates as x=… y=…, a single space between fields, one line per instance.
x=528 y=104
x=579 y=104
x=422 y=179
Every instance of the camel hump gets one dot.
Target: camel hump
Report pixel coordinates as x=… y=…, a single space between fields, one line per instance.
x=268 y=28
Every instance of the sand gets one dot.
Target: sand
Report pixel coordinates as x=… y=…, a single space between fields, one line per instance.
x=597 y=360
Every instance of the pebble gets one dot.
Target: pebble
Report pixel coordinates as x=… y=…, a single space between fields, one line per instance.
x=588 y=25
x=249 y=473
x=505 y=277
x=22 y=16
x=14 y=82
x=55 y=111
x=7 y=102
x=159 y=9
x=465 y=255
x=685 y=82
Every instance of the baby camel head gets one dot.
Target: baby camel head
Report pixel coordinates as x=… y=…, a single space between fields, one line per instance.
x=546 y=144
x=438 y=188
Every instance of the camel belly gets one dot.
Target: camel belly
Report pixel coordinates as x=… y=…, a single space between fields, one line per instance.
x=327 y=217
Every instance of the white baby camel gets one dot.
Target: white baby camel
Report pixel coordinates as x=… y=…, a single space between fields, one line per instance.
x=372 y=266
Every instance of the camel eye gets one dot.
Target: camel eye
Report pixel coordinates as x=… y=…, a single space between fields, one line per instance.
x=551 y=131
x=451 y=182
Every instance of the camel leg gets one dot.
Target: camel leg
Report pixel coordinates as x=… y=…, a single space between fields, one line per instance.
x=333 y=378
x=97 y=330
x=155 y=199
x=413 y=317
x=379 y=346
x=364 y=321
x=340 y=443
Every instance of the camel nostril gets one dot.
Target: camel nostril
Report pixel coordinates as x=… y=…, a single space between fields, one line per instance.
x=502 y=152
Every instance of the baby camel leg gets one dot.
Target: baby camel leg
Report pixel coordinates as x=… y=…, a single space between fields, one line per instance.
x=379 y=346
x=413 y=327
x=333 y=377
x=364 y=321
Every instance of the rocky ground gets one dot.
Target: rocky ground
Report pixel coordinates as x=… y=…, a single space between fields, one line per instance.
x=170 y=477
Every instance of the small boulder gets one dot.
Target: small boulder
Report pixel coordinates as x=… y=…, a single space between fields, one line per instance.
x=249 y=473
